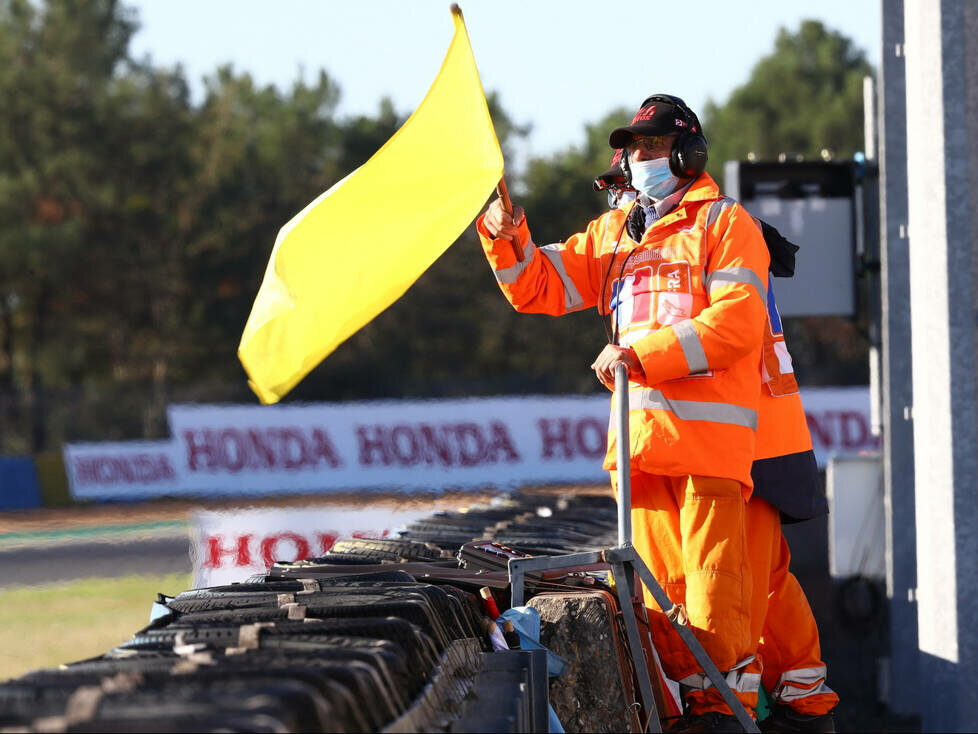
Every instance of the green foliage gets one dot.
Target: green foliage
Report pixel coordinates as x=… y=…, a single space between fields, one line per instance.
x=260 y=156
x=560 y=196
x=803 y=97
x=136 y=225
x=58 y=77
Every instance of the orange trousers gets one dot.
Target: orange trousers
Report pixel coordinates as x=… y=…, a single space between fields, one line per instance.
x=692 y=534
x=727 y=561
x=782 y=619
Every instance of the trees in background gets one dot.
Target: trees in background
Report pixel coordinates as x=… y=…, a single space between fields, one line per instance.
x=803 y=97
x=58 y=201
x=136 y=224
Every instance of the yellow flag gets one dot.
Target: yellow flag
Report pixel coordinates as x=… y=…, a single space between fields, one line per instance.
x=358 y=247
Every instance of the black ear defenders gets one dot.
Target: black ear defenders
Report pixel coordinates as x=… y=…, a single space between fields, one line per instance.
x=688 y=156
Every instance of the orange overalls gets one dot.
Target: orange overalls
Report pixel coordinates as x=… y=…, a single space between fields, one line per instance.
x=690 y=299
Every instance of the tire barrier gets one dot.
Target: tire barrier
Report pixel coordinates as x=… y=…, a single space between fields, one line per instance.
x=376 y=635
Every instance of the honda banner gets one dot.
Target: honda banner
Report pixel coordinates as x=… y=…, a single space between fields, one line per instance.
x=123 y=470
x=407 y=445
x=229 y=546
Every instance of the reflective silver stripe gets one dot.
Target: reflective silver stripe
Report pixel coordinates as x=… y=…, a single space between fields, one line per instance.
x=736 y=679
x=726 y=276
x=789 y=693
x=795 y=684
x=716 y=209
x=746 y=682
x=693 y=410
x=510 y=274
x=689 y=340
x=572 y=299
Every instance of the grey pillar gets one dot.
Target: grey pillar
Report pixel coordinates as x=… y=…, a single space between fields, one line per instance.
x=942 y=176
x=898 y=464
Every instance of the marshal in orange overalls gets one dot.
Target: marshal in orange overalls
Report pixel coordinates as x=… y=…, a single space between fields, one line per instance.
x=690 y=298
x=785 y=483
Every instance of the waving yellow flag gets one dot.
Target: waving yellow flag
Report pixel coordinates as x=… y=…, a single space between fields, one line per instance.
x=358 y=247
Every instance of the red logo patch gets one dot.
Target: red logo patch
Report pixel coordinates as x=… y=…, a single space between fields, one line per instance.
x=644 y=114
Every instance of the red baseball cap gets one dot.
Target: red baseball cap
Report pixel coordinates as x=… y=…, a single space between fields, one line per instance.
x=614 y=176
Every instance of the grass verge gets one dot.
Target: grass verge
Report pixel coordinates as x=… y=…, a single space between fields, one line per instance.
x=44 y=626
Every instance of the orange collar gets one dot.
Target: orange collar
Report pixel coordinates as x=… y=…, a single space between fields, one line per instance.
x=704 y=188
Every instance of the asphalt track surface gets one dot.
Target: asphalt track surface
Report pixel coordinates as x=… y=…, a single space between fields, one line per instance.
x=86 y=559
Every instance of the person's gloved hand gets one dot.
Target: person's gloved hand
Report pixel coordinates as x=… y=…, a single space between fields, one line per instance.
x=610 y=357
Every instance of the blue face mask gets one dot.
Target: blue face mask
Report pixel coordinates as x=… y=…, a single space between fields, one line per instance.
x=653 y=178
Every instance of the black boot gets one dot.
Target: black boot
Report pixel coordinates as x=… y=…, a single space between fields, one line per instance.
x=710 y=721
x=785 y=718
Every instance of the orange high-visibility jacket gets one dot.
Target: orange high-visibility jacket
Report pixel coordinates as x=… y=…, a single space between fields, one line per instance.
x=784 y=470
x=690 y=299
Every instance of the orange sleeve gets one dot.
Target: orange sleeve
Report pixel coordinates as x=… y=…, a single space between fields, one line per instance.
x=553 y=279
x=733 y=323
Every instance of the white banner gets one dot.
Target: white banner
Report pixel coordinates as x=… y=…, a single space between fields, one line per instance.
x=396 y=445
x=123 y=470
x=406 y=445
x=228 y=547
x=839 y=421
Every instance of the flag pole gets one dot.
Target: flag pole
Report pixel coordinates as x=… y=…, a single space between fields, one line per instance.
x=501 y=189
x=503 y=193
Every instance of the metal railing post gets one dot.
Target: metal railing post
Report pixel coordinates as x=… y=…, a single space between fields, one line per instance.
x=624 y=459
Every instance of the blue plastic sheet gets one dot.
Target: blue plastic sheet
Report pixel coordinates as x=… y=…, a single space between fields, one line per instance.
x=158 y=610
x=526 y=622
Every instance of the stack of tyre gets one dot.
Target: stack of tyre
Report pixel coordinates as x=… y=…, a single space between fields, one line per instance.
x=378 y=635
x=535 y=524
